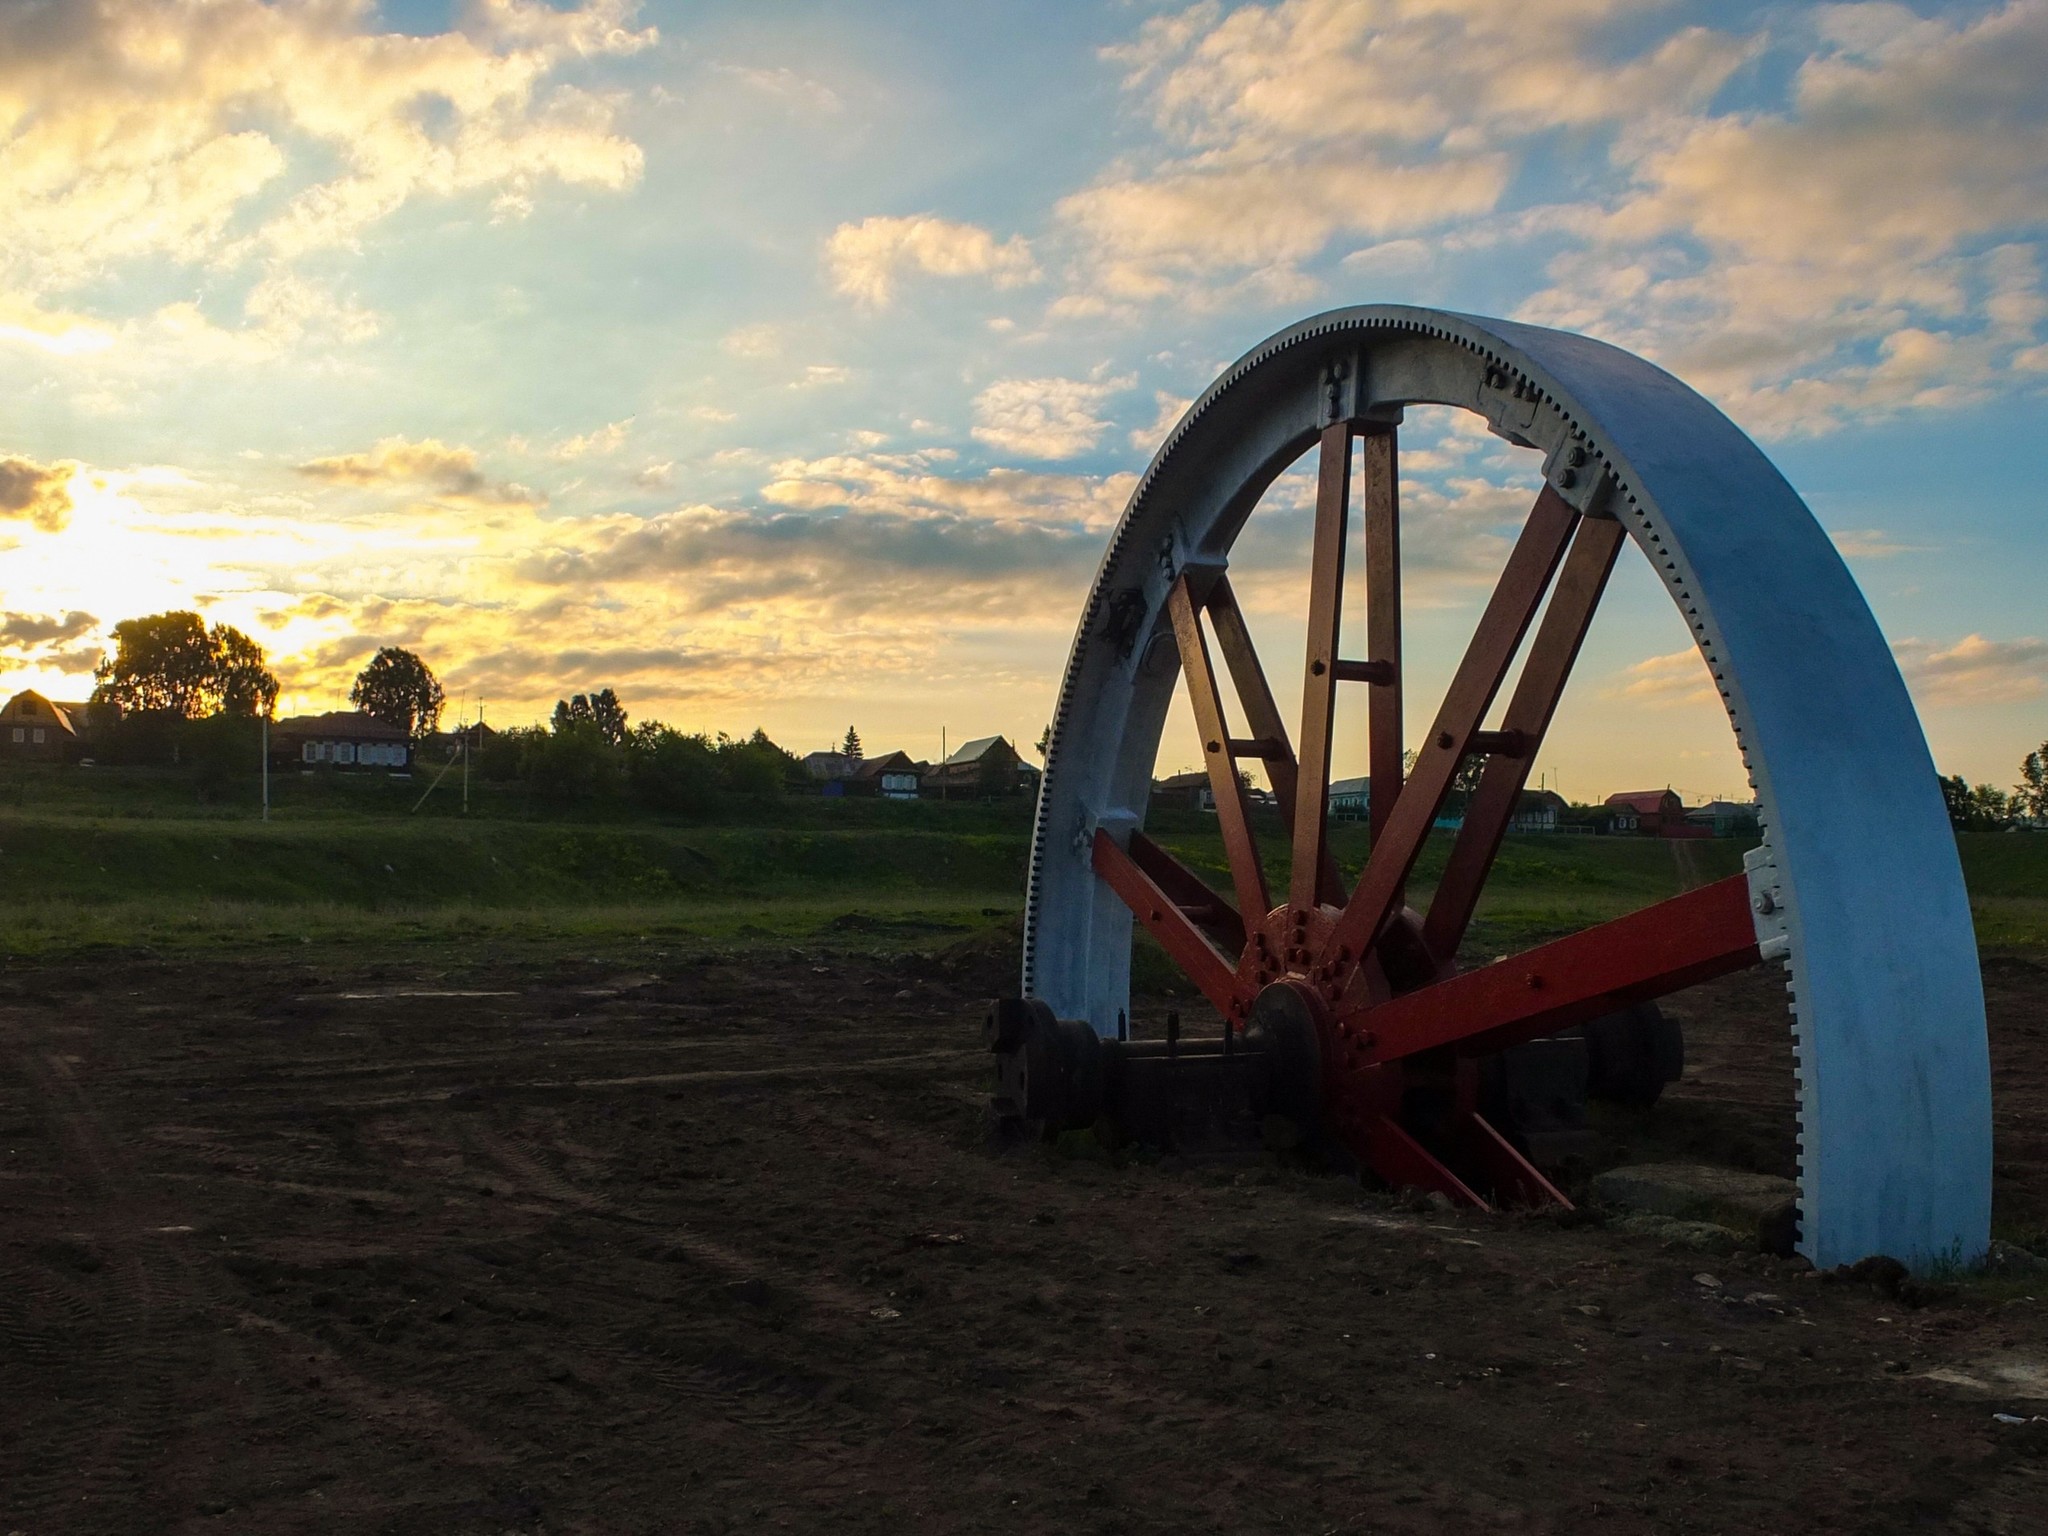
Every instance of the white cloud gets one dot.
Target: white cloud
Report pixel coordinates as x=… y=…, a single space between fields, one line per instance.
x=1973 y=670
x=785 y=85
x=868 y=259
x=1864 y=251
x=1287 y=125
x=1044 y=418
x=1172 y=407
x=1672 y=681
x=603 y=440
x=1872 y=544
x=760 y=340
x=221 y=132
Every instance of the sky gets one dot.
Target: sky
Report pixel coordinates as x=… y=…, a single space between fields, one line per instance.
x=788 y=363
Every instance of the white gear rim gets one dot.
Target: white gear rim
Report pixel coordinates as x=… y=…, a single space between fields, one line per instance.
x=1869 y=910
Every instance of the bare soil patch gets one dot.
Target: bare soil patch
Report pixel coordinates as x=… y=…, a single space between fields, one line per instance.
x=714 y=1244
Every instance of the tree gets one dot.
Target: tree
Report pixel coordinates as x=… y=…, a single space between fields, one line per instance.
x=601 y=710
x=1975 y=808
x=1044 y=741
x=2030 y=795
x=670 y=770
x=399 y=689
x=609 y=715
x=244 y=685
x=850 y=748
x=172 y=664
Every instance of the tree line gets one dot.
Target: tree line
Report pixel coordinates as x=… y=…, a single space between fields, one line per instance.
x=591 y=753
x=1987 y=808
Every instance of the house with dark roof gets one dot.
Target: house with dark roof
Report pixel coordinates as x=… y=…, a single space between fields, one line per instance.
x=34 y=729
x=342 y=738
x=1538 y=810
x=1645 y=811
x=1184 y=791
x=892 y=776
x=988 y=765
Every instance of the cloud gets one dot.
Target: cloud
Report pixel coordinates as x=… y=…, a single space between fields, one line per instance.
x=1044 y=418
x=30 y=631
x=878 y=541
x=1679 y=679
x=1974 y=670
x=785 y=85
x=1286 y=125
x=1149 y=439
x=449 y=472
x=816 y=375
x=761 y=340
x=1873 y=544
x=39 y=494
x=867 y=259
x=224 y=132
x=1864 y=251
x=603 y=440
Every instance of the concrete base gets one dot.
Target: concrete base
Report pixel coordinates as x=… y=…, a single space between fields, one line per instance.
x=1760 y=1208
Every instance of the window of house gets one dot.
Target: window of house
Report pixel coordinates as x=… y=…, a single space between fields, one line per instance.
x=39 y=736
x=20 y=734
x=344 y=751
x=308 y=753
x=28 y=706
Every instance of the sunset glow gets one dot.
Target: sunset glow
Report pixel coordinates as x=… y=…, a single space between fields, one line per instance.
x=789 y=366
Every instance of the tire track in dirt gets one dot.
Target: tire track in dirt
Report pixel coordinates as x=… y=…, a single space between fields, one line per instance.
x=136 y=1333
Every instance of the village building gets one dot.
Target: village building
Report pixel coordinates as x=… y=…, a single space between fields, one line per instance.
x=34 y=729
x=893 y=776
x=1539 y=810
x=1350 y=799
x=1647 y=812
x=1723 y=818
x=342 y=738
x=988 y=765
x=1184 y=792
x=830 y=767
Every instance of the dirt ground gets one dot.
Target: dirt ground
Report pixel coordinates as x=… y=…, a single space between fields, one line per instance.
x=713 y=1244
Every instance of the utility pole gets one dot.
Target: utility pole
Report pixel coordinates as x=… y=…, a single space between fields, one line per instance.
x=266 y=767
x=944 y=789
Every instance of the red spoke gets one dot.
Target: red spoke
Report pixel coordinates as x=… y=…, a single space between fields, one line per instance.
x=1493 y=646
x=1383 y=625
x=1551 y=656
x=1190 y=892
x=1262 y=715
x=1192 y=950
x=1661 y=949
x=1319 y=676
x=1233 y=804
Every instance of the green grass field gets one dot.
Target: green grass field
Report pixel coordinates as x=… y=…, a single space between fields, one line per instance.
x=357 y=867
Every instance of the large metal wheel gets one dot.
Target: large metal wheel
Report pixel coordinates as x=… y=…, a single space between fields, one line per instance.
x=1856 y=888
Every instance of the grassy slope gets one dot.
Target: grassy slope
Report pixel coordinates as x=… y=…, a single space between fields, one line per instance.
x=102 y=863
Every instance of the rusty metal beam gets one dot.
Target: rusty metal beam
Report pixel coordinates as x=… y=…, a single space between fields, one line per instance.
x=1382 y=666
x=1262 y=715
x=1508 y=615
x=1209 y=909
x=1192 y=950
x=1233 y=805
x=1651 y=953
x=1319 y=674
x=1544 y=674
